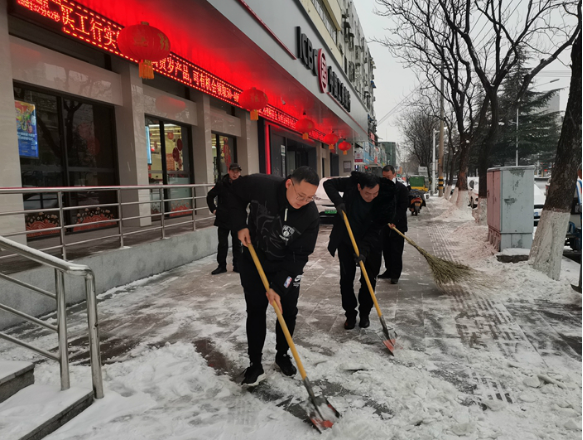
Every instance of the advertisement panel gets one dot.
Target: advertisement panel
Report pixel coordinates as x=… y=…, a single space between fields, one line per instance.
x=26 y=129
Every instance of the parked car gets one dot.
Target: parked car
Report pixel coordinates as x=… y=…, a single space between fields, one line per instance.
x=325 y=206
x=539 y=202
x=542 y=182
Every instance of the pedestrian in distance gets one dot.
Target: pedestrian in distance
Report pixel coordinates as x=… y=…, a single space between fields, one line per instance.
x=368 y=205
x=394 y=243
x=222 y=219
x=282 y=225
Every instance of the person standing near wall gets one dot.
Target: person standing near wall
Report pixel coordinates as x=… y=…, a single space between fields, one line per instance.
x=393 y=243
x=222 y=220
x=282 y=225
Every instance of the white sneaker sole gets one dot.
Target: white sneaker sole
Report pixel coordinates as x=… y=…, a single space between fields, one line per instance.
x=260 y=378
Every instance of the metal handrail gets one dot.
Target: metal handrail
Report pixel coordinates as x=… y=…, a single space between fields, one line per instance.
x=61 y=268
x=192 y=211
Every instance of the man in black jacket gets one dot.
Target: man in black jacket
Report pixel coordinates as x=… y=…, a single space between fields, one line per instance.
x=283 y=227
x=393 y=243
x=368 y=204
x=222 y=220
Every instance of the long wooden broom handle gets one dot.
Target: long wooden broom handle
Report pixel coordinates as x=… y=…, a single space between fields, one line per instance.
x=282 y=323
x=411 y=242
x=370 y=289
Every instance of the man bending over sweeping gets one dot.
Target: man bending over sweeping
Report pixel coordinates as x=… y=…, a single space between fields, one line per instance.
x=369 y=204
x=283 y=227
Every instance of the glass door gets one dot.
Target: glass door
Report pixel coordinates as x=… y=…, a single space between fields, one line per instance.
x=224 y=154
x=168 y=164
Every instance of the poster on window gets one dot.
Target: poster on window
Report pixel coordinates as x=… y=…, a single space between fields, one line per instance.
x=26 y=129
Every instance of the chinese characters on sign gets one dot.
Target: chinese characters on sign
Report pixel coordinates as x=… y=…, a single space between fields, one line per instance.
x=26 y=129
x=86 y=25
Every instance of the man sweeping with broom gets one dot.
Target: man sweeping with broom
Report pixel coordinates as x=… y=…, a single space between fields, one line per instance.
x=369 y=205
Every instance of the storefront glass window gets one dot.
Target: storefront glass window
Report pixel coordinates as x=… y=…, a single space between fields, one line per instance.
x=224 y=153
x=74 y=145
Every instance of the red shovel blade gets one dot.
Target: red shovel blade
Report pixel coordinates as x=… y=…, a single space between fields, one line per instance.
x=390 y=344
x=324 y=415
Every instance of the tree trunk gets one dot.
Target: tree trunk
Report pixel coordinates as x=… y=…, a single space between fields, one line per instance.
x=462 y=181
x=547 y=249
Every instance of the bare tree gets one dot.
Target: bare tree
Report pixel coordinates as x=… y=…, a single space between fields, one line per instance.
x=417 y=127
x=495 y=49
x=547 y=248
x=423 y=40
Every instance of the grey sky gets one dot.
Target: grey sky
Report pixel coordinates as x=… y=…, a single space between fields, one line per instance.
x=394 y=83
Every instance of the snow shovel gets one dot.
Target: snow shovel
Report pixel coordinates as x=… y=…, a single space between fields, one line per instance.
x=323 y=414
x=389 y=332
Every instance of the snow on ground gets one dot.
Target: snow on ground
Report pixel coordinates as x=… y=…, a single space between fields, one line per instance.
x=170 y=392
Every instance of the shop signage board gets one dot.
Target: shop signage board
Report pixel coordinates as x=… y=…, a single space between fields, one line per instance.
x=26 y=129
x=315 y=61
x=358 y=155
x=82 y=23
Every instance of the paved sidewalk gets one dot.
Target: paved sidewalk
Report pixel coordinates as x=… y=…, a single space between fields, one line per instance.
x=188 y=304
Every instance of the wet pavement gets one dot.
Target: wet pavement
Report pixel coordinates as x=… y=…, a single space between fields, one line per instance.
x=189 y=304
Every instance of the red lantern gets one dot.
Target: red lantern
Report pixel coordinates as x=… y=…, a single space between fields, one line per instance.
x=330 y=139
x=304 y=126
x=344 y=146
x=253 y=100
x=144 y=43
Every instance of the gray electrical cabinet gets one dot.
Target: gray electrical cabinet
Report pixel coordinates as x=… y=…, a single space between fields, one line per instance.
x=510 y=207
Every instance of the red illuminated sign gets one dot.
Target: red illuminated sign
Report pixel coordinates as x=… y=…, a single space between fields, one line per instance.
x=322 y=71
x=86 y=25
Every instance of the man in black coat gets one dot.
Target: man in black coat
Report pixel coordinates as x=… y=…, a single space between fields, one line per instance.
x=222 y=220
x=368 y=204
x=282 y=225
x=393 y=243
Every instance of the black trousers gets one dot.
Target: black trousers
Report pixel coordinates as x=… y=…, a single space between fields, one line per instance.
x=393 y=245
x=257 y=305
x=372 y=264
x=223 y=248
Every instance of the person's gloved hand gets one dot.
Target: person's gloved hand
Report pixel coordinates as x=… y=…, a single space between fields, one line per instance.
x=340 y=207
x=358 y=259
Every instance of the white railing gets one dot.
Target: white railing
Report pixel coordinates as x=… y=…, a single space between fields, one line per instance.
x=61 y=268
x=159 y=196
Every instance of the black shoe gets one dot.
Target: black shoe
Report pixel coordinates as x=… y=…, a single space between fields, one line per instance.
x=283 y=361
x=218 y=270
x=394 y=280
x=253 y=375
x=364 y=322
x=384 y=275
x=350 y=323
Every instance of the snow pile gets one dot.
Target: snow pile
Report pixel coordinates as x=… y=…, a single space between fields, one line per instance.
x=452 y=212
x=469 y=245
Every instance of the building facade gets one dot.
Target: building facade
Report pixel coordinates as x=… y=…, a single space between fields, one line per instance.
x=75 y=111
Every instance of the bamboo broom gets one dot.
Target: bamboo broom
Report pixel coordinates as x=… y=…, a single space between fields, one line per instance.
x=444 y=271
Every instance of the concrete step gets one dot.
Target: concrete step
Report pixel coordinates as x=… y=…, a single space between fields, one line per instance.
x=38 y=410
x=14 y=376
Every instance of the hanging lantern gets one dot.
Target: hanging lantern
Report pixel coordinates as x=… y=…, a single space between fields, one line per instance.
x=144 y=43
x=330 y=139
x=253 y=100
x=344 y=146
x=304 y=126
